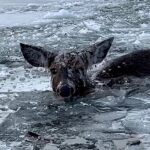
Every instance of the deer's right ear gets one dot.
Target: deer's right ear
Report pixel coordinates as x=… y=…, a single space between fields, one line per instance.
x=97 y=52
x=37 y=56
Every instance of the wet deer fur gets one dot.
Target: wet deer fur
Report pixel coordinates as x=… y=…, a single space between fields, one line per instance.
x=69 y=70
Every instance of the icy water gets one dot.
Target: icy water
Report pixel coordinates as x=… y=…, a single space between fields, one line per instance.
x=31 y=117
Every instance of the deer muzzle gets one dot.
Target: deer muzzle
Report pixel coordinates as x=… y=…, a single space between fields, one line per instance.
x=65 y=89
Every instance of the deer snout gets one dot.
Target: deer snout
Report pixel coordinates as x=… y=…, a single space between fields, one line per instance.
x=65 y=90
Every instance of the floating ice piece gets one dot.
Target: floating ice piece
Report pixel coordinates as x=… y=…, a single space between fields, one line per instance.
x=138 y=121
x=110 y=116
x=3 y=96
x=144 y=37
x=84 y=31
x=36 y=84
x=137 y=42
x=77 y=140
x=4 y=113
x=19 y=81
x=14 y=144
x=19 y=19
x=143 y=25
x=3 y=74
x=60 y=14
x=3 y=146
x=92 y=25
x=144 y=34
x=33 y=5
x=72 y=4
x=50 y=146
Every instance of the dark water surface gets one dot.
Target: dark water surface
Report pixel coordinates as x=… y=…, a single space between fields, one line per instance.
x=31 y=117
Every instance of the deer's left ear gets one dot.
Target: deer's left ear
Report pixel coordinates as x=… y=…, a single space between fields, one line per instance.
x=96 y=52
x=37 y=56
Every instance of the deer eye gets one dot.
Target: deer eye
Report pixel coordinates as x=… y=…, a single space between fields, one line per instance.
x=53 y=70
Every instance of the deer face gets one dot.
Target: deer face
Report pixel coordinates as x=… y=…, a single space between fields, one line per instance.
x=68 y=74
x=68 y=70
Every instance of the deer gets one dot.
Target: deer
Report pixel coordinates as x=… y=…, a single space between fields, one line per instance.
x=68 y=70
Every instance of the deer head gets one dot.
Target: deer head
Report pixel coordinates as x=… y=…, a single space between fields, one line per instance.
x=68 y=70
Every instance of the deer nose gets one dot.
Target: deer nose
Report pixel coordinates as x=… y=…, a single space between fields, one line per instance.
x=65 y=90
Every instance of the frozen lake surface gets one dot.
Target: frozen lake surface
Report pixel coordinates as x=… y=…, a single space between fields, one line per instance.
x=31 y=117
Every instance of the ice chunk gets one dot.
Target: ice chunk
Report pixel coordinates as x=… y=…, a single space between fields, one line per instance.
x=138 y=121
x=137 y=42
x=50 y=147
x=33 y=5
x=18 y=19
x=19 y=80
x=3 y=146
x=92 y=25
x=110 y=116
x=60 y=14
x=3 y=96
x=77 y=140
x=4 y=113
x=143 y=25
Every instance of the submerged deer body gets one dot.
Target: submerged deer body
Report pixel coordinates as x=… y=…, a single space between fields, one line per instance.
x=69 y=70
